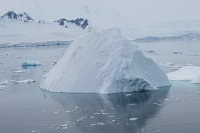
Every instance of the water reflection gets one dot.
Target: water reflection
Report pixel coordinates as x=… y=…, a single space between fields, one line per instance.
x=119 y=113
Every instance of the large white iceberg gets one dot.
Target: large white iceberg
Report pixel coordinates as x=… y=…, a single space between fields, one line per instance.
x=104 y=62
x=187 y=73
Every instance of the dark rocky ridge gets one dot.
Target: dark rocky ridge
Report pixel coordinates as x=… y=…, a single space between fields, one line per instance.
x=83 y=23
x=11 y=15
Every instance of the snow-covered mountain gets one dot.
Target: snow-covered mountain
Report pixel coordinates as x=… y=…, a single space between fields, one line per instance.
x=83 y=23
x=21 y=29
x=12 y=16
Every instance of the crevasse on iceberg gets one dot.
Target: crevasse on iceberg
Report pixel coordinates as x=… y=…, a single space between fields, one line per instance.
x=104 y=62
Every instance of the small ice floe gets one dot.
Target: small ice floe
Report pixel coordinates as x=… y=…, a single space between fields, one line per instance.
x=157 y=130
x=131 y=104
x=28 y=64
x=186 y=73
x=76 y=108
x=133 y=119
x=111 y=116
x=2 y=87
x=97 y=113
x=129 y=95
x=4 y=83
x=92 y=117
x=93 y=124
x=176 y=99
x=33 y=131
x=64 y=126
x=67 y=111
x=57 y=111
x=103 y=113
x=27 y=81
x=157 y=104
x=58 y=128
x=172 y=66
x=81 y=118
x=19 y=71
x=101 y=123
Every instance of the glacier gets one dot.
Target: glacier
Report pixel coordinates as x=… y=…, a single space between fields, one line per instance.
x=104 y=62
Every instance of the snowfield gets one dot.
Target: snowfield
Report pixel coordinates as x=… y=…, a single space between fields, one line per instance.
x=104 y=62
x=187 y=73
x=15 y=33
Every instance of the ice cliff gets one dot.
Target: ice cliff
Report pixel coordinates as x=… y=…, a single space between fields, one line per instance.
x=104 y=62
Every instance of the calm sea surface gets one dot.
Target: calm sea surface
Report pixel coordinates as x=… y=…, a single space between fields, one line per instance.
x=25 y=108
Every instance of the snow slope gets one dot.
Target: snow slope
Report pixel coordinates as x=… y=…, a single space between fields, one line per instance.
x=187 y=73
x=104 y=62
x=33 y=32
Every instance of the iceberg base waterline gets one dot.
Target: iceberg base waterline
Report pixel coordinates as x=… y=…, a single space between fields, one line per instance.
x=104 y=62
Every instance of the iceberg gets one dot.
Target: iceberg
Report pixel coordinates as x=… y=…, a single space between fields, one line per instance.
x=186 y=73
x=104 y=62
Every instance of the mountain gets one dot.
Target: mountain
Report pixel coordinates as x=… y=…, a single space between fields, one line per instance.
x=11 y=15
x=83 y=23
x=20 y=29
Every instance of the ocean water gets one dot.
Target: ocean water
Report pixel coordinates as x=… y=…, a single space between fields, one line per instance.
x=26 y=108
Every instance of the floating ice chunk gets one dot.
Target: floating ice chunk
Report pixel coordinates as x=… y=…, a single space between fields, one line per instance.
x=4 y=83
x=93 y=124
x=101 y=123
x=133 y=119
x=19 y=71
x=104 y=62
x=28 y=64
x=187 y=73
x=131 y=104
x=64 y=125
x=64 y=128
x=2 y=87
x=27 y=81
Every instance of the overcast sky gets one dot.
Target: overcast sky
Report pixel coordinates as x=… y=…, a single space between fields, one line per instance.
x=141 y=11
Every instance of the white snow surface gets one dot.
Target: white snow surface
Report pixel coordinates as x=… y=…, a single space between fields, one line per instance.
x=186 y=73
x=14 y=32
x=104 y=62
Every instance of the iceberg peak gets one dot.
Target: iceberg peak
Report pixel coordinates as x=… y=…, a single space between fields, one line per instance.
x=104 y=62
